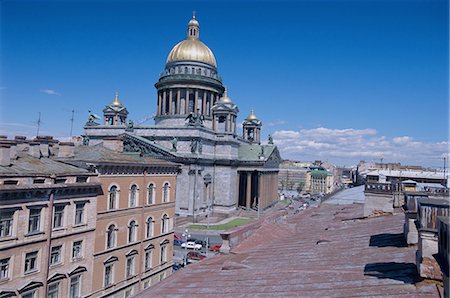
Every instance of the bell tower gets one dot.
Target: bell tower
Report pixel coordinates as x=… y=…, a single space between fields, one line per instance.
x=115 y=113
x=252 y=128
x=224 y=115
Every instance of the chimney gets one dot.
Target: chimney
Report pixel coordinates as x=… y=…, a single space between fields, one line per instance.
x=21 y=142
x=34 y=150
x=5 y=158
x=44 y=144
x=113 y=143
x=66 y=149
x=12 y=149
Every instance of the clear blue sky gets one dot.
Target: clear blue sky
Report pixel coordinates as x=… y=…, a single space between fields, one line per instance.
x=303 y=65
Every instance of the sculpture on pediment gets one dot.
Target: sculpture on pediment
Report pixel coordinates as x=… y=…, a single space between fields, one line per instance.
x=85 y=140
x=270 y=140
x=130 y=126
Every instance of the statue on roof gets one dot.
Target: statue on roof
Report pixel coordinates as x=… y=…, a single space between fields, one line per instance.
x=85 y=140
x=174 y=144
x=270 y=140
x=130 y=126
x=92 y=119
x=195 y=119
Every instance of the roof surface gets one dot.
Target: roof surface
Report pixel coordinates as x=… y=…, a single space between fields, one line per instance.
x=26 y=165
x=252 y=152
x=409 y=174
x=320 y=252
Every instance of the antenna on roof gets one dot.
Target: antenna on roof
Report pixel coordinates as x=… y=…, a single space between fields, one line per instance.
x=71 y=122
x=39 y=122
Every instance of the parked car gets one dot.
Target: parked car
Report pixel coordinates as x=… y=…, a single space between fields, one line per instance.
x=191 y=245
x=194 y=255
x=215 y=247
x=177 y=239
x=176 y=267
x=201 y=242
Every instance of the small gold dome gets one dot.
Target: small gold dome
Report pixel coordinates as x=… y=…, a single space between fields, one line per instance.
x=252 y=116
x=192 y=49
x=116 y=102
x=225 y=98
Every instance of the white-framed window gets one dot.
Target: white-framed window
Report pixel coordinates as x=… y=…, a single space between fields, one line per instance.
x=165 y=224
x=113 y=197
x=147 y=283
x=31 y=294
x=151 y=194
x=53 y=290
x=111 y=236
x=166 y=192
x=79 y=213
x=128 y=292
x=132 y=202
x=148 y=259
x=55 y=255
x=149 y=227
x=4 y=268
x=34 y=220
x=77 y=249
x=130 y=266
x=163 y=254
x=132 y=231
x=31 y=262
x=109 y=274
x=6 y=223
x=58 y=216
x=75 y=286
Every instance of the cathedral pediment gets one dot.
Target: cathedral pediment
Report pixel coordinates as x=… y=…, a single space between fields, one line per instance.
x=134 y=143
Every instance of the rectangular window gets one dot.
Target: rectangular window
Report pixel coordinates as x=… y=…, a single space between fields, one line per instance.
x=74 y=291
x=29 y=295
x=58 y=216
x=53 y=290
x=55 y=255
x=109 y=274
x=79 y=213
x=130 y=266
x=34 y=221
x=77 y=249
x=4 y=269
x=148 y=259
x=6 y=223
x=128 y=292
x=31 y=262
x=163 y=256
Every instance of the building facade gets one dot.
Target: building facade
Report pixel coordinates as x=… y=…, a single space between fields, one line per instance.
x=133 y=244
x=47 y=222
x=196 y=126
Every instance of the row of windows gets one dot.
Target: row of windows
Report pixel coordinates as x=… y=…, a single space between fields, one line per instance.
x=130 y=265
x=34 y=219
x=111 y=231
x=191 y=70
x=113 y=195
x=31 y=259
x=53 y=289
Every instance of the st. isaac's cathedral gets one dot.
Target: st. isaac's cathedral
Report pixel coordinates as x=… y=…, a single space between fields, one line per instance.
x=196 y=126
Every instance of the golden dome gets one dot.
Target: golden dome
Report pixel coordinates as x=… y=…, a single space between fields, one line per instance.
x=225 y=98
x=192 y=48
x=252 y=116
x=116 y=102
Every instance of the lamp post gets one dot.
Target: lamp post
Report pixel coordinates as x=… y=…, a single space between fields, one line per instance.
x=186 y=235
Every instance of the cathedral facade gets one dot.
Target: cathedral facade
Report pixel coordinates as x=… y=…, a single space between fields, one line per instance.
x=196 y=126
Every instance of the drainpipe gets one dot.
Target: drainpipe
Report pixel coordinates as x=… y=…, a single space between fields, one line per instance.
x=49 y=235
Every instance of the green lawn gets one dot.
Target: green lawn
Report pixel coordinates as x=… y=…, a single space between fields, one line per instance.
x=284 y=201
x=231 y=224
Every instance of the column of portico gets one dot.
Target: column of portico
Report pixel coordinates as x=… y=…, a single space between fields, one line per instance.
x=249 y=190
x=186 y=102
x=195 y=100
x=260 y=190
x=204 y=103
x=159 y=103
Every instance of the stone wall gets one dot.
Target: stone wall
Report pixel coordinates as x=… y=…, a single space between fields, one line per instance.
x=378 y=203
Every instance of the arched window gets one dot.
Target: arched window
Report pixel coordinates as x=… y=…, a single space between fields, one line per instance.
x=132 y=231
x=151 y=194
x=149 y=227
x=111 y=236
x=166 y=193
x=165 y=224
x=113 y=194
x=133 y=196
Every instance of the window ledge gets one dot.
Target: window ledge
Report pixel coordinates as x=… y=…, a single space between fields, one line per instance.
x=80 y=225
x=59 y=229
x=4 y=280
x=76 y=259
x=9 y=238
x=34 y=233
x=56 y=265
x=34 y=271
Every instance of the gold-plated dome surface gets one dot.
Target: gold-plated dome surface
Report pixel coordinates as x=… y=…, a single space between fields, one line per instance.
x=116 y=102
x=225 y=98
x=252 y=116
x=192 y=49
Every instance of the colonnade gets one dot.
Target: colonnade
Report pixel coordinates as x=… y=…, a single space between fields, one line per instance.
x=182 y=101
